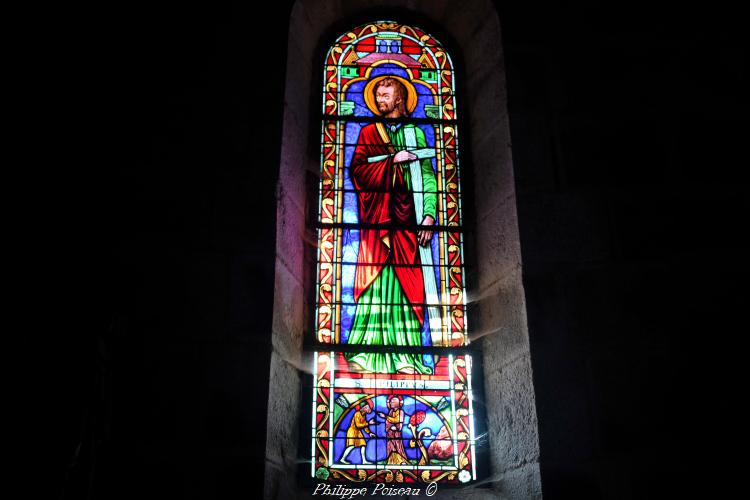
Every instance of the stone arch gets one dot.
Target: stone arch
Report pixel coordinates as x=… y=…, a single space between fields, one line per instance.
x=497 y=290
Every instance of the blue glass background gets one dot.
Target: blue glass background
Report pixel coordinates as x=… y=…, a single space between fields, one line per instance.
x=425 y=93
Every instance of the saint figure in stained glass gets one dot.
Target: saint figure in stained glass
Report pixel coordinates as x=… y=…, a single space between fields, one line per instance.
x=391 y=404
x=392 y=173
x=393 y=425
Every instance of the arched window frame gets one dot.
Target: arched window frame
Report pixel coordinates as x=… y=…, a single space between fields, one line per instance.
x=497 y=293
x=457 y=357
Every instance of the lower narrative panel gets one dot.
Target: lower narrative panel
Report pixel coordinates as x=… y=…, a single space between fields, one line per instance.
x=381 y=426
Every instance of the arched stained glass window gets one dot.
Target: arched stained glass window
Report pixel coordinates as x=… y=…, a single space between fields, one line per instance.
x=392 y=392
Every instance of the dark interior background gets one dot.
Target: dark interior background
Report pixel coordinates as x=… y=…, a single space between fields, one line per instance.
x=629 y=128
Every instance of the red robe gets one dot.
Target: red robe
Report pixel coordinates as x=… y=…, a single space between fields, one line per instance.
x=384 y=198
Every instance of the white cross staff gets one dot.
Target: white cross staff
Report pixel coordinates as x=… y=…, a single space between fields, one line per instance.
x=425 y=253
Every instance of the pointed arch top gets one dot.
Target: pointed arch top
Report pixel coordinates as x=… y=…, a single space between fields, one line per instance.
x=359 y=54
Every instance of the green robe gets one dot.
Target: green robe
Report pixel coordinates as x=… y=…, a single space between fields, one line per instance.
x=383 y=315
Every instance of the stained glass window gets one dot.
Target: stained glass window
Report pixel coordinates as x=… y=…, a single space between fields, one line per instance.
x=392 y=392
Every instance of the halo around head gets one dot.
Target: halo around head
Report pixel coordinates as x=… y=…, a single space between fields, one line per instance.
x=411 y=97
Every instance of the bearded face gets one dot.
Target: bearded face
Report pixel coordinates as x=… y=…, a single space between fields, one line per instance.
x=388 y=99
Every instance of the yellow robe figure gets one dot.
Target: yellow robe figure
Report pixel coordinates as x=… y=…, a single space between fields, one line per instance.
x=355 y=434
